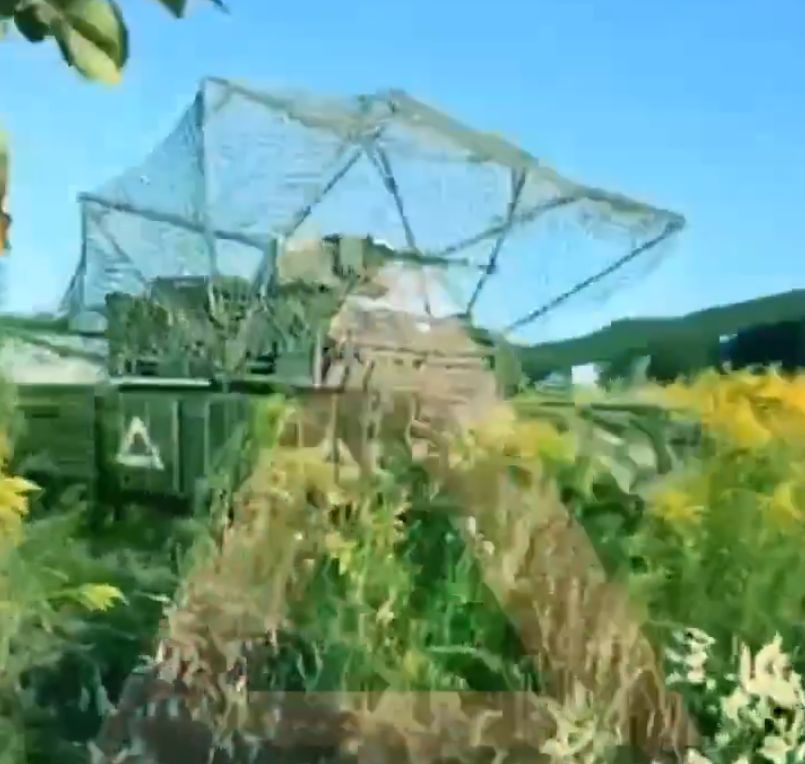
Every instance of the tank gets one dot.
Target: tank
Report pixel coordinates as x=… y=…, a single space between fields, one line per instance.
x=186 y=361
x=294 y=243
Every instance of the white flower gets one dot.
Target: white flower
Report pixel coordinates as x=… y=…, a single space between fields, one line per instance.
x=775 y=749
x=691 y=662
x=757 y=713
x=696 y=660
x=699 y=637
x=771 y=657
x=733 y=704
x=696 y=676
x=769 y=675
x=692 y=756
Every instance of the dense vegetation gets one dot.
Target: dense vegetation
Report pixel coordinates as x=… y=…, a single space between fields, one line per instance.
x=692 y=495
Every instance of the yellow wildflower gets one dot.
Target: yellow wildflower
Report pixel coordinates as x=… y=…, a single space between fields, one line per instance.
x=98 y=596
x=547 y=441
x=752 y=409
x=794 y=393
x=522 y=439
x=773 y=388
x=783 y=504
x=742 y=424
x=306 y=468
x=13 y=503
x=497 y=428
x=536 y=439
x=413 y=665
x=676 y=506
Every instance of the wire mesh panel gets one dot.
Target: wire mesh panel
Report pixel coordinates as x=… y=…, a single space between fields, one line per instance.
x=498 y=234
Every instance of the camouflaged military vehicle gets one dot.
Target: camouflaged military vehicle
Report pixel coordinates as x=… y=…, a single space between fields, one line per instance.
x=184 y=359
x=297 y=243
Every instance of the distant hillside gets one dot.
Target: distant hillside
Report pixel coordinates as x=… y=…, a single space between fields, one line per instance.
x=691 y=336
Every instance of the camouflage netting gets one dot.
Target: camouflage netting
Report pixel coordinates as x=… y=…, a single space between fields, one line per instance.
x=244 y=169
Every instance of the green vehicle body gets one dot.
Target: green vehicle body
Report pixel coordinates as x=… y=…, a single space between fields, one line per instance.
x=186 y=363
x=77 y=434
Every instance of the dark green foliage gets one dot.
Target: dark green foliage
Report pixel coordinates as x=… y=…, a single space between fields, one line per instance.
x=68 y=695
x=780 y=344
x=31 y=24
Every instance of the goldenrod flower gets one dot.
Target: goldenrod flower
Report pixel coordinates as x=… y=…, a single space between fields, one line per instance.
x=794 y=394
x=783 y=503
x=306 y=468
x=676 y=506
x=773 y=388
x=99 y=596
x=752 y=409
x=522 y=439
x=741 y=422
x=13 y=503
x=496 y=428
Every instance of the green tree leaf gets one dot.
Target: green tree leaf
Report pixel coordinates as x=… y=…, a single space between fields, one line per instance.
x=179 y=7
x=31 y=22
x=92 y=37
x=8 y=8
x=176 y=7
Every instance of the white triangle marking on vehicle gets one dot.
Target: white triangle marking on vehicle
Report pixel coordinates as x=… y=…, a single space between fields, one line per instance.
x=149 y=460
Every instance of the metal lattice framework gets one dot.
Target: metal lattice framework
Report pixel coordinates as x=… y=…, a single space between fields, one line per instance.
x=244 y=170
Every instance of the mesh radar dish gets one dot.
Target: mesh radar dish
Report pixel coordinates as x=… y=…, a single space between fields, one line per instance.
x=472 y=225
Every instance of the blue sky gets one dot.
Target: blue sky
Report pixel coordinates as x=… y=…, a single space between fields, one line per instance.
x=693 y=106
